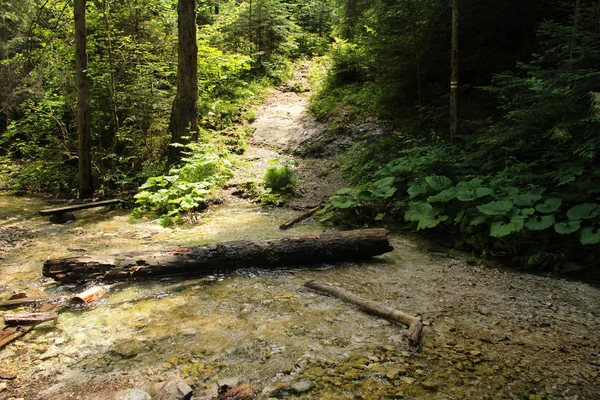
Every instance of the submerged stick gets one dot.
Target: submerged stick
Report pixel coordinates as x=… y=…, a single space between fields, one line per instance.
x=415 y=324
x=292 y=222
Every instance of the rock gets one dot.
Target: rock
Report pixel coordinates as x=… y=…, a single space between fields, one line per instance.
x=301 y=387
x=134 y=394
x=392 y=374
x=62 y=218
x=128 y=348
x=174 y=389
x=408 y=380
x=189 y=332
x=245 y=391
x=430 y=386
x=2 y=387
x=229 y=382
x=7 y=375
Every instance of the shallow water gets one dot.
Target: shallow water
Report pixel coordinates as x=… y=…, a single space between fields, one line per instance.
x=262 y=327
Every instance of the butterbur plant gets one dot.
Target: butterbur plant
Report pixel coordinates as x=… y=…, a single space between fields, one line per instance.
x=187 y=189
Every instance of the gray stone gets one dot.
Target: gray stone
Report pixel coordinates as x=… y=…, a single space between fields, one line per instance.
x=174 y=389
x=134 y=394
x=301 y=387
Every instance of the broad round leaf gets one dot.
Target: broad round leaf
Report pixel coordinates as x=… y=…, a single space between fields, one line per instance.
x=418 y=189
x=443 y=197
x=384 y=182
x=565 y=228
x=496 y=207
x=583 y=211
x=589 y=235
x=500 y=229
x=549 y=206
x=438 y=182
x=539 y=222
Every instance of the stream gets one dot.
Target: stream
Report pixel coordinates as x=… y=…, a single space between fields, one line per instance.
x=491 y=332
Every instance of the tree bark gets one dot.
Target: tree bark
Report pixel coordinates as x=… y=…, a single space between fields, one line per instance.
x=84 y=136
x=300 y=250
x=415 y=324
x=184 y=114
x=454 y=72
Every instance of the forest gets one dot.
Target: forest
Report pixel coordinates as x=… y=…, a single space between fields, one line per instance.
x=516 y=176
x=211 y=168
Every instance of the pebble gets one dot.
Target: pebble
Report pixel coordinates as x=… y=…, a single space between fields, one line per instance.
x=430 y=386
x=301 y=387
x=2 y=386
x=134 y=394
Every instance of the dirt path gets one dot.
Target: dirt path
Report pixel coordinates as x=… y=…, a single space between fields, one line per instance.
x=282 y=126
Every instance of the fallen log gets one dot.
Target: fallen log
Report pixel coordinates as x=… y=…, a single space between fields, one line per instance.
x=292 y=222
x=415 y=324
x=300 y=250
x=29 y=318
x=75 y=207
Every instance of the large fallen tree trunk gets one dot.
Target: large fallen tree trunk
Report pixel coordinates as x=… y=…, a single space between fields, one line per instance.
x=300 y=250
x=414 y=324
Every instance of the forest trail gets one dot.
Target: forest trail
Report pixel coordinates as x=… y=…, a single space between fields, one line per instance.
x=282 y=128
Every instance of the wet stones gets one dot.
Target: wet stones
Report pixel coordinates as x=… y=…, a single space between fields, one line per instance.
x=174 y=389
x=135 y=394
x=128 y=348
x=301 y=387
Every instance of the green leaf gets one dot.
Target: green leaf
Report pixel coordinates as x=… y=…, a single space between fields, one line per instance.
x=500 y=228
x=549 y=206
x=385 y=182
x=417 y=210
x=344 y=191
x=438 y=182
x=539 y=222
x=469 y=191
x=527 y=211
x=443 y=197
x=496 y=207
x=589 y=235
x=431 y=222
x=477 y=220
x=426 y=215
x=583 y=211
x=342 y=202
x=418 y=189
x=565 y=228
x=527 y=199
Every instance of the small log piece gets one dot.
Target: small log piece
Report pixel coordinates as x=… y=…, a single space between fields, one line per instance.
x=23 y=301
x=29 y=318
x=415 y=324
x=93 y=293
x=292 y=222
x=326 y=247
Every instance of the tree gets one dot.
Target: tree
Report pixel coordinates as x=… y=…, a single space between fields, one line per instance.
x=84 y=137
x=184 y=115
x=454 y=72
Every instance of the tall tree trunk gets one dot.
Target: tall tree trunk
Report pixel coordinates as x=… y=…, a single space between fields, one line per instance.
x=84 y=135
x=454 y=72
x=184 y=115
x=109 y=141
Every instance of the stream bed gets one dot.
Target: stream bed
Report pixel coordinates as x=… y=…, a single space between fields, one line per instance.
x=491 y=333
